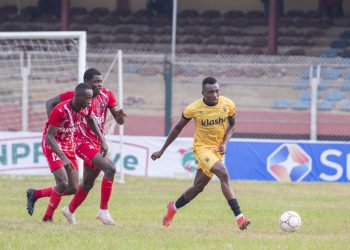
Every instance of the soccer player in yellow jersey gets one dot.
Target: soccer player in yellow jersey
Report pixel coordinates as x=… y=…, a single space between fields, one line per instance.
x=214 y=117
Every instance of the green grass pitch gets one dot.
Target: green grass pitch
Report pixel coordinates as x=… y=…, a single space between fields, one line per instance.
x=206 y=223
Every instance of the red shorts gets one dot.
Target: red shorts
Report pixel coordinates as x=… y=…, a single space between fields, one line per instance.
x=55 y=162
x=87 y=152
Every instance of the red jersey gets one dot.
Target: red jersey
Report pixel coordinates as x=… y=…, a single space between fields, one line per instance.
x=66 y=119
x=99 y=105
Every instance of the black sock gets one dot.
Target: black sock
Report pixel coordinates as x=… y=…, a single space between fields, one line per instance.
x=234 y=207
x=181 y=202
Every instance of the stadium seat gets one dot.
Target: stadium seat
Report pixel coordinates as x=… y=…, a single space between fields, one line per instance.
x=253 y=51
x=306 y=95
x=305 y=74
x=254 y=14
x=208 y=51
x=300 y=105
x=346 y=75
x=331 y=74
x=8 y=10
x=339 y=44
x=281 y=104
x=329 y=53
x=188 y=14
x=295 y=13
x=77 y=11
x=146 y=39
x=345 y=86
x=345 y=54
x=295 y=52
x=121 y=13
x=325 y=105
x=345 y=35
x=131 y=69
x=233 y=14
x=301 y=84
x=191 y=39
x=99 y=11
x=231 y=51
x=313 y=14
x=149 y=71
x=335 y=96
x=324 y=85
x=210 y=14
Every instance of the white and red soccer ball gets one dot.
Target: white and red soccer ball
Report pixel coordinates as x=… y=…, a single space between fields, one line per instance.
x=290 y=221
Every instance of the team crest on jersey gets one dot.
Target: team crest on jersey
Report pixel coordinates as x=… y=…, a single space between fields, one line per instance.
x=224 y=109
x=206 y=159
x=102 y=105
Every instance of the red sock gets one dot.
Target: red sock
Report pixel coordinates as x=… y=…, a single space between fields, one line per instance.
x=78 y=198
x=106 y=191
x=55 y=200
x=46 y=192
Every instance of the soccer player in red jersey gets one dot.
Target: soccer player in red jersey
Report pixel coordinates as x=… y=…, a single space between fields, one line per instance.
x=88 y=147
x=58 y=144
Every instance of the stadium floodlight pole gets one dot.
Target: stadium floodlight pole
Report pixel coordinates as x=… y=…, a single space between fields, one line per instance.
x=121 y=127
x=173 y=32
x=314 y=81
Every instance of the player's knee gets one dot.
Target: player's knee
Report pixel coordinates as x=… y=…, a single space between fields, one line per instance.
x=223 y=176
x=62 y=185
x=110 y=170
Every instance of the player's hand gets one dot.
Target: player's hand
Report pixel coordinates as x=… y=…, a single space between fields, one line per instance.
x=104 y=148
x=156 y=155
x=68 y=164
x=222 y=149
x=120 y=116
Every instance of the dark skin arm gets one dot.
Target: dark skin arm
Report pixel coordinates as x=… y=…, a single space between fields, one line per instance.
x=228 y=134
x=118 y=114
x=94 y=127
x=171 y=137
x=50 y=104
x=50 y=137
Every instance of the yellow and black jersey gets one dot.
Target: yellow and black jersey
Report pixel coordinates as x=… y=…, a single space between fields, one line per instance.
x=210 y=121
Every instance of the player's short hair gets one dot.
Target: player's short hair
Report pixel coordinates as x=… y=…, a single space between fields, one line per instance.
x=81 y=88
x=89 y=74
x=208 y=80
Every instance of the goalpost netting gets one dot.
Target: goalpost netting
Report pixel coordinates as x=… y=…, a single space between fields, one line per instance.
x=35 y=66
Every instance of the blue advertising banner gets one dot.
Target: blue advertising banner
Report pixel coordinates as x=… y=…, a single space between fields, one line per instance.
x=288 y=161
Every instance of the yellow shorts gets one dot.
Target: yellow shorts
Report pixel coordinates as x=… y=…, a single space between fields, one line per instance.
x=206 y=159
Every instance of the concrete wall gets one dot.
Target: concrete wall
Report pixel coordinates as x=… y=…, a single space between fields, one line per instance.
x=222 y=5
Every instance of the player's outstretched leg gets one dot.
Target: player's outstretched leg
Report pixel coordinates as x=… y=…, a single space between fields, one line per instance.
x=243 y=222
x=30 y=201
x=68 y=215
x=171 y=211
x=104 y=216
x=106 y=191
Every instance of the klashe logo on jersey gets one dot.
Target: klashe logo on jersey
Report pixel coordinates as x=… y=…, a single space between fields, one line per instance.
x=216 y=121
x=66 y=130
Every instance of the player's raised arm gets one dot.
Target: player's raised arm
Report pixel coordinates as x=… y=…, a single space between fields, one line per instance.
x=171 y=137
x=118 y=114
x=51 y=103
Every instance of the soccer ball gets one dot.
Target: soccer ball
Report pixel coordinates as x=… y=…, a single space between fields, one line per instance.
x=290 y=221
